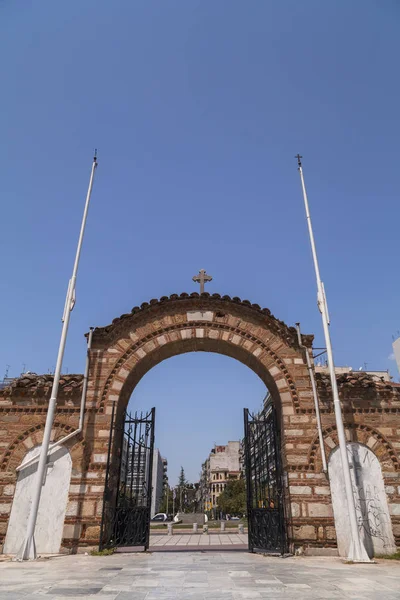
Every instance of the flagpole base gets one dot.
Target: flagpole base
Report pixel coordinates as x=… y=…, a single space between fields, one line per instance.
x=27 y=550
x=358 y=554
x=347 y=561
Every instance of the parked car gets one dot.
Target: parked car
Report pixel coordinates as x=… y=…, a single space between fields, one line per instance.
x=234 y=519
x=159 y=518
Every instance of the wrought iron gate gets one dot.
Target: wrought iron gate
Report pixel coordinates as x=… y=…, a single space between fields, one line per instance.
x=265 y=501
x=128 y=485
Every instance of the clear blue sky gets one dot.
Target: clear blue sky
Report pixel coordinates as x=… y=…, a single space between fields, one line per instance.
x=197 y=109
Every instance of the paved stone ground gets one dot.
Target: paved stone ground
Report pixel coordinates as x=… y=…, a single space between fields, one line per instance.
x=206 y=575
x=188 y=541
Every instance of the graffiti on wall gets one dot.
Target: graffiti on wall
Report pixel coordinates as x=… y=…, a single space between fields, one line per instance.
x=370 y=499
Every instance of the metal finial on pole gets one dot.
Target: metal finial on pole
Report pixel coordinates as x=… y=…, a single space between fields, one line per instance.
x=28 y=548
x=298 y=159
x=357 y=551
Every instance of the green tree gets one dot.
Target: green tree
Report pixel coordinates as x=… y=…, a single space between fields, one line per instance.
x=182 y=478
x=183 y=492
x=233 y=498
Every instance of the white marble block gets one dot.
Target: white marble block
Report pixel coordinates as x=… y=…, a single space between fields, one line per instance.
x=370 y=497
x=53 y=503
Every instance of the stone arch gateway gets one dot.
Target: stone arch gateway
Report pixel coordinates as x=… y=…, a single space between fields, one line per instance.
x=132 y=344
x=124 y=351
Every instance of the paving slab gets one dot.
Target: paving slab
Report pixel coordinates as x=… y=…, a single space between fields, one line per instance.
x=188 y=541
x=197 y=575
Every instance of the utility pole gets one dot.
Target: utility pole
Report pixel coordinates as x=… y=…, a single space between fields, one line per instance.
x=357 y=551
x=28 y=548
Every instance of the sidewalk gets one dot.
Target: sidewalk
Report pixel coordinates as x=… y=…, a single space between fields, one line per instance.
x=188 y=541
x=197 y=576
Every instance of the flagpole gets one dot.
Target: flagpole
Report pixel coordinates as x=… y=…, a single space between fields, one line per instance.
x=357 y=551
x=28 y=548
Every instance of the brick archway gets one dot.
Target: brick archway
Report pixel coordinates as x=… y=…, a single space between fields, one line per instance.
x=123 y=352
x=16 y=451
x=364 y=434
x=127 y=349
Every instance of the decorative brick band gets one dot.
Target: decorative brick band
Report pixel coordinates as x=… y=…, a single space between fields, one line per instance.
x=189 y=326
x=270 y=321
x=25 y=435
x=327 y=431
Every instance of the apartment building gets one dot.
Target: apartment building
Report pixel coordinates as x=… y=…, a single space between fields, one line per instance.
x=223 y=464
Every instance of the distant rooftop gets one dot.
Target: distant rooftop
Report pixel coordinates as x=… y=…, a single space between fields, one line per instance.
x=378 y=375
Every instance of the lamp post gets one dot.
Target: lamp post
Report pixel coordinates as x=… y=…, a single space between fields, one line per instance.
x=357 y=552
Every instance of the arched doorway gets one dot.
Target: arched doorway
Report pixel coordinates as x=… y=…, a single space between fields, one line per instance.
x=199 y=399
x=220 y=464
x=126 y=350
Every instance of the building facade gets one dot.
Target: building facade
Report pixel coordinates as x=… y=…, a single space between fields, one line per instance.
x=135 y=474
x=223 y=464
x=157 y=481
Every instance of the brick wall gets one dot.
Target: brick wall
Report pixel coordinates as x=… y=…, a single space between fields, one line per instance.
x=123 y=352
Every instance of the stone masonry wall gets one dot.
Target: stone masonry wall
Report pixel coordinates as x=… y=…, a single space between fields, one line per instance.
x=123 y=352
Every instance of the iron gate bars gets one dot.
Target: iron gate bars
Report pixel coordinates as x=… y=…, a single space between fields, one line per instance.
x=128 y=485
x=265 y=502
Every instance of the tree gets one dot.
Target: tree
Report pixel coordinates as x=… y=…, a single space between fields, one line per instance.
x=184 y=499
x=233 y=498
x=182 y=479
